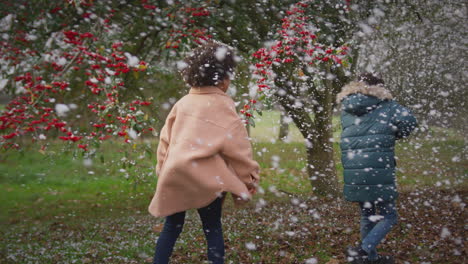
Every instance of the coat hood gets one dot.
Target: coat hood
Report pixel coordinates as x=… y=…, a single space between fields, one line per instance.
x=360 y=87
x=358 y=98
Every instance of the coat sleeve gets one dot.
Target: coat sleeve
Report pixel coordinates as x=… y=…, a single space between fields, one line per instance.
x=164 y=141
x=404 y=121
x=237 y=152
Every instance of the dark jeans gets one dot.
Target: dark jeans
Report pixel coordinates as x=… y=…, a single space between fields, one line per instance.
x=211 y=221
x=374 y=228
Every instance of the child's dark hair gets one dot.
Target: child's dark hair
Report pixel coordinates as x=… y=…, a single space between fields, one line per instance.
x=209 y=65
x=370 y=79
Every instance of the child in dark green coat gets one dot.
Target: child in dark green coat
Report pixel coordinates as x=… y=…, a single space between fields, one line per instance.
x=371 y=123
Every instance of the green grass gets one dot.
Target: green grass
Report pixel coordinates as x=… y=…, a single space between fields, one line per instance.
x=65 y=183
x=50 y=196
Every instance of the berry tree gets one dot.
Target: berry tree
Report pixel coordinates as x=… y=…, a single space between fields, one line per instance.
x=76 y=61
x=303 y=70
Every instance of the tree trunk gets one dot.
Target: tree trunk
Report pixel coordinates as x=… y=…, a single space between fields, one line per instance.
x=284 y=127
x=320 y=154
x=317 y=133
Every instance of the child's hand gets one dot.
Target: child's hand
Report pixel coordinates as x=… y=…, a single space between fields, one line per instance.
x=252 y=187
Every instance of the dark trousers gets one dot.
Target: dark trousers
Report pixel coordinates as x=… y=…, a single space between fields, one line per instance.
x=211 y=221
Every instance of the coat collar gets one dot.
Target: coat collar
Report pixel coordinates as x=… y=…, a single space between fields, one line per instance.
x=360 y=87
x=206 y=90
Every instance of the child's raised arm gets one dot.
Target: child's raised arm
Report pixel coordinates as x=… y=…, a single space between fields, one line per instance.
x=404 y=121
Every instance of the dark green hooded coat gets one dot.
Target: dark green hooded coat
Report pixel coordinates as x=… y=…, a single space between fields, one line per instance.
x=371 y=122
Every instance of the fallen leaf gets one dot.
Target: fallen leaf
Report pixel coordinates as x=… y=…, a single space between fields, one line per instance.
x=158 y=228
x=333 y=261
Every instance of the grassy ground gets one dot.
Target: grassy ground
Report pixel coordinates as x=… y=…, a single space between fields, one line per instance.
x=59 y=208
x=267 y=128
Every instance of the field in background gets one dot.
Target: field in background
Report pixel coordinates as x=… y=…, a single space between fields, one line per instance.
x=267 y=128
x=57 y=207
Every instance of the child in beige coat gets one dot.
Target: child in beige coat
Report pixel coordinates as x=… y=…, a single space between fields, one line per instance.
x=203 y=152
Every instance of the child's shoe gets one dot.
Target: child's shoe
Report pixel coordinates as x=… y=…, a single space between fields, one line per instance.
x=382 y=259
x=356 y=255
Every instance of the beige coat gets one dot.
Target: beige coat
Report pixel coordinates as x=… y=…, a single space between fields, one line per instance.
x=203 y=151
